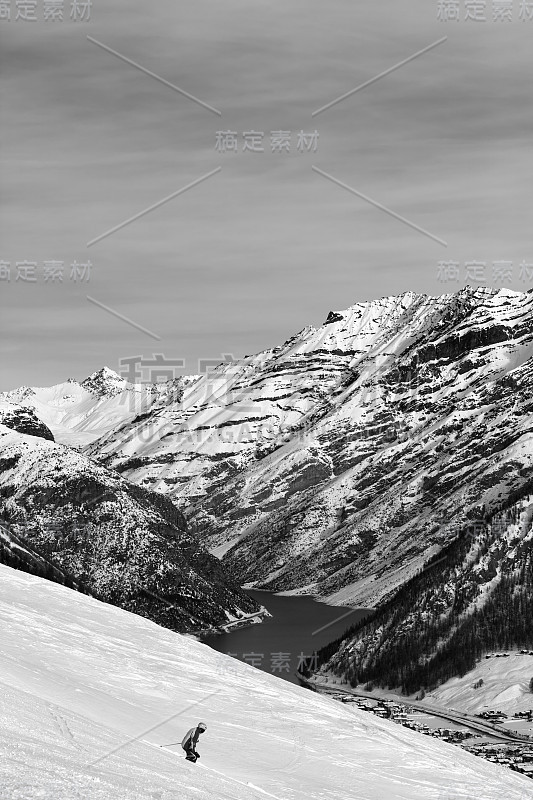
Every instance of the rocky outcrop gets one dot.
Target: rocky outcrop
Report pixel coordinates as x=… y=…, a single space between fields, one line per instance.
x=24 y=420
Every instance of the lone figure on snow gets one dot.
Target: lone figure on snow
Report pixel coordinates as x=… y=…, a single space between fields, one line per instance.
x=190 y=740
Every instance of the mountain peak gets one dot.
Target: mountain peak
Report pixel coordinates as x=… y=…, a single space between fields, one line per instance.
x=105 y=381
x=333 y=316
x=105 y=372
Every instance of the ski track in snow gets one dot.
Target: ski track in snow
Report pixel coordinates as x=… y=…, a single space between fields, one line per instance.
x=227 y=777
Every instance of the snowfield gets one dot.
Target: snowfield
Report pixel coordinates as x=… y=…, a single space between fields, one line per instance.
x=84 y=683
x=505 y=686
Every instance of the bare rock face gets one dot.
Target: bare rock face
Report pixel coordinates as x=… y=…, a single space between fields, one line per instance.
x=338 y=462
x=333 y=316
x=24 y=420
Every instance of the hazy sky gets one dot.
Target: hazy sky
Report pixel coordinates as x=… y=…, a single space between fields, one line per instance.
x=266 y=246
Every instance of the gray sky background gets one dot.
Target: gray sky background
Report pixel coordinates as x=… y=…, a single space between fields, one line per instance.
x=266 y=246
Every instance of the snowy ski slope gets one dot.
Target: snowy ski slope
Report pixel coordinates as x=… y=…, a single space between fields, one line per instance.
x=83 y=684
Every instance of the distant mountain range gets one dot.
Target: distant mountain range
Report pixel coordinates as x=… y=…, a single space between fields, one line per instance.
x=338 y=463
x=80 y=412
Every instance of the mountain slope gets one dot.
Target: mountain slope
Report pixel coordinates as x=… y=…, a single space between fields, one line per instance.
x=498 y=682
x=475 y=598
x=338 y=462
x=124 y=543
x=84 y=683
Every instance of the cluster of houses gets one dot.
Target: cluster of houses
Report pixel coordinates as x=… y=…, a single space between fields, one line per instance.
x=494 y=716
x=517 y=757
x=398 y=712
x=451 y=735
x=506 y=655
x=524 y=715
x=497 y=717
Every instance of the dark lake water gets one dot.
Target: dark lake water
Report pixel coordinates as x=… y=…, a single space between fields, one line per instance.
x=279 y=643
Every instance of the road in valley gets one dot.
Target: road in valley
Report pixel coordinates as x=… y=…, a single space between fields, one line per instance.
x=466 y=720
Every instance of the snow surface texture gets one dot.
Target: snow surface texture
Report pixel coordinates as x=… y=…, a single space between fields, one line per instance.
x=80 y=680
x=505 y=686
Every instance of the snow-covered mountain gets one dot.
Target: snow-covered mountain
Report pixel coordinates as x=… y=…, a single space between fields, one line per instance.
x=338 y=462
x=89 y=691
x=77 y=413
x=130 y=546
x=475 y=598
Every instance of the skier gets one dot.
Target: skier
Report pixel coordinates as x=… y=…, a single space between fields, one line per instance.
x=190 y=739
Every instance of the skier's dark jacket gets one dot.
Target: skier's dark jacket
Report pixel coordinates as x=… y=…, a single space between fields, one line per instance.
x=190 y=739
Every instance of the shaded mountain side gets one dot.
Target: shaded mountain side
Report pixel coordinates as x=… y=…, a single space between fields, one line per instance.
x=337 y=463
x=125 y=544
x=24 y=420
x=473 y=597
x=16 y=553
